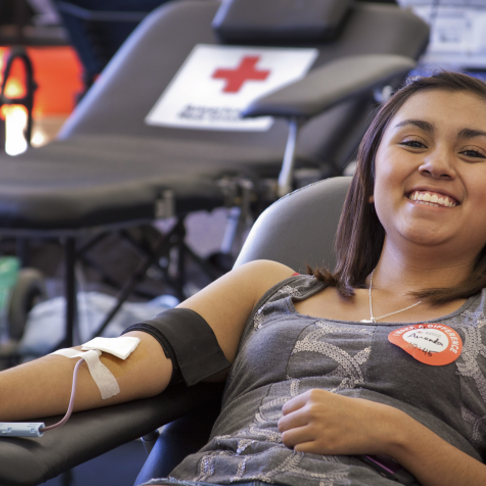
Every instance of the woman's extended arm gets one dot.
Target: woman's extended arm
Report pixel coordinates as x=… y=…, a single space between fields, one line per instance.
x=326 y=423
x=42 y=387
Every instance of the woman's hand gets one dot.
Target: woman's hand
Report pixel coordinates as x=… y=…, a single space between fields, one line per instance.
x=322 y=422
x=326 y=423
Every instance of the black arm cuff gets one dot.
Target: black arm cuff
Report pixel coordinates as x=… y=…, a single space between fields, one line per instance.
x=188 y=341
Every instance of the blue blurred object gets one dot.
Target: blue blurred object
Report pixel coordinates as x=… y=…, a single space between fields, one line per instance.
x=97 y=28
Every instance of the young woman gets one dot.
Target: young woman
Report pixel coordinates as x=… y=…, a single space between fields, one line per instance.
x=321 y=375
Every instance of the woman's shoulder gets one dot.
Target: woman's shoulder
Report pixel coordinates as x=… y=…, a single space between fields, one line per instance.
x=268 y=269
x=269 y=280
x=263 y=275
x=240 y=289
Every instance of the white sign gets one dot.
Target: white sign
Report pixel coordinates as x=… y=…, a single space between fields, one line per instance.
x=458 y=34
x=216 y=82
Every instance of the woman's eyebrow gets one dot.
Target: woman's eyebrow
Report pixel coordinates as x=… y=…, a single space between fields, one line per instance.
x=422 y=124
x=467 y=133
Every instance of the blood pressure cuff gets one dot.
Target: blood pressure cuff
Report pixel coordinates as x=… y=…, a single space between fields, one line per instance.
x=188 y=341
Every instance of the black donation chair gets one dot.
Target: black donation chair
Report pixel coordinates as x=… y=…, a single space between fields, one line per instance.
x=124 y=158
x=296 y=230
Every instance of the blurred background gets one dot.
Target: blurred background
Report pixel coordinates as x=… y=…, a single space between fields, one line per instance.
x=51 y=54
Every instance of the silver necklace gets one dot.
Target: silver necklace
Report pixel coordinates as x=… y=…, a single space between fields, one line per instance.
x=372 y=317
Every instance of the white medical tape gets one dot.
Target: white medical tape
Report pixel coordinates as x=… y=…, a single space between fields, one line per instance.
x=102 y=376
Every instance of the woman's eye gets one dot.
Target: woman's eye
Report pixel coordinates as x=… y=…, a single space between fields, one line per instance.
x=473 y=153
x=413 y=143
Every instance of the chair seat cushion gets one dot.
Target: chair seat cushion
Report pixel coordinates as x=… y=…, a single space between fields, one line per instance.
x=106 y=180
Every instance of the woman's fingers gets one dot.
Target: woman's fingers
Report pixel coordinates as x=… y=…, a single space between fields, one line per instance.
x=303 y=409
x=298 y=436
x=313 y=396
x=312 y=446
x=292 y=420
x=295 y=403
x=298 y=411
x=303 y=419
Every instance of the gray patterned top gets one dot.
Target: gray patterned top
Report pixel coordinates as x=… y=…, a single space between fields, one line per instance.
x=283 y=353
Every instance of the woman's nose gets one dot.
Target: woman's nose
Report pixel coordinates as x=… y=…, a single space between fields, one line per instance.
x=439 y=165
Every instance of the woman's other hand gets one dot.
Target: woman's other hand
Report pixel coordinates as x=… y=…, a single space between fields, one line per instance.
x=322 y=422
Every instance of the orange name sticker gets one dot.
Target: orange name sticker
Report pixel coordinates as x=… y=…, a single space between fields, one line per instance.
x=432 y=344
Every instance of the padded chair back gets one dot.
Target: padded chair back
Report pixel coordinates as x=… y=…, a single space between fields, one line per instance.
x=296 y=230
x=145 y=65
x=299 y=228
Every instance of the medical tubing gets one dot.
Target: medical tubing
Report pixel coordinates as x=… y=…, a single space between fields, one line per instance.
x=71 y=401
x=379 y=464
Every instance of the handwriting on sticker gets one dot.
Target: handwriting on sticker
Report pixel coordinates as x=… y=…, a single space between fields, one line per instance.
x=433 y=344
x=427 y=339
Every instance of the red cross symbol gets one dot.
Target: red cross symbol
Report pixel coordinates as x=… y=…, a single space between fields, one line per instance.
x=246 y=71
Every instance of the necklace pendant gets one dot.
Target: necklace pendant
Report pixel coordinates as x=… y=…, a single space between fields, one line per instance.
x=367 y=321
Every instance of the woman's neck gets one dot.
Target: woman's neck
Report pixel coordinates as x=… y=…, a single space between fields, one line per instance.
x=408 y=272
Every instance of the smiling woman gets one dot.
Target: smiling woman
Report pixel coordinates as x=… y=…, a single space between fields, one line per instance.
x=440 y=153
x=432 y=134
x=384 y=356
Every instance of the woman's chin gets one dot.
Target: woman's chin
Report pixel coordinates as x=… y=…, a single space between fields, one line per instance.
x=426 y=237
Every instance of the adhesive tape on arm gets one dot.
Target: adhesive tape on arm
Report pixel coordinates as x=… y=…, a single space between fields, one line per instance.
x=120 y=347
x=102 y=376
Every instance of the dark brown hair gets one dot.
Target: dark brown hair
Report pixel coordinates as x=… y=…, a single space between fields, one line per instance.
x=360 y=235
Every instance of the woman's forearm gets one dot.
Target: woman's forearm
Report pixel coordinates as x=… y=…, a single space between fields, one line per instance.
x=432 y=460
x=42 y=387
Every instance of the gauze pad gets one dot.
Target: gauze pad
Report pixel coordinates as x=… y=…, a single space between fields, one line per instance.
x=120 y=347
x=102 y=376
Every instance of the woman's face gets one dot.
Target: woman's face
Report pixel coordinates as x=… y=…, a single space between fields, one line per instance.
x=430 y=172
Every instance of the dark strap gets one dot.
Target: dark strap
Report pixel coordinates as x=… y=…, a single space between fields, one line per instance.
x=188 y=341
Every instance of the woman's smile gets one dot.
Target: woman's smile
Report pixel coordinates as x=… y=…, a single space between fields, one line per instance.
x=430 y=198
x=430 y=173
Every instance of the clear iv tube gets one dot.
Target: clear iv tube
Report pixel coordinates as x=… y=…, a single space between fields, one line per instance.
x=71 y=401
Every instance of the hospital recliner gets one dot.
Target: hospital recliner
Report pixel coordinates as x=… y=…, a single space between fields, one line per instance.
x=109 y=169
x=297 y=230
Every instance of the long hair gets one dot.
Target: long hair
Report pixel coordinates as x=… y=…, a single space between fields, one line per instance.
x=360 y=235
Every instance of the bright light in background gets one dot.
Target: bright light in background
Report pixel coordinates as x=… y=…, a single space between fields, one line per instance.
x=38 y=138
x=58 y=75
x=15 y=120
x=15 y=123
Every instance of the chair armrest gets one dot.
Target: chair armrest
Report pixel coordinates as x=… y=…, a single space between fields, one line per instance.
x=329 y=85
x=30 y=461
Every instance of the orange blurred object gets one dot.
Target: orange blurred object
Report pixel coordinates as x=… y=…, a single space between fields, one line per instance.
x=57 y=71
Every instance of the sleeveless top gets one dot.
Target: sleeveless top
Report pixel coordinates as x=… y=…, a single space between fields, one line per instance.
x=283 y=353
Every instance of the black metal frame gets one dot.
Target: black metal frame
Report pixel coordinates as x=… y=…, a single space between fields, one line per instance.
x=174 y=239
x=18 y=52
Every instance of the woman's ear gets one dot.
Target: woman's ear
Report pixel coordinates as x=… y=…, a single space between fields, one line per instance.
x=371 y=199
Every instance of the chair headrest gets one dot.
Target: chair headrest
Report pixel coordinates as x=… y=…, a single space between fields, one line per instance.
x=279 y=21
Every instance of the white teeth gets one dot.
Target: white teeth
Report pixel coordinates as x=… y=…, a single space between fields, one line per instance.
x=432 y=199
